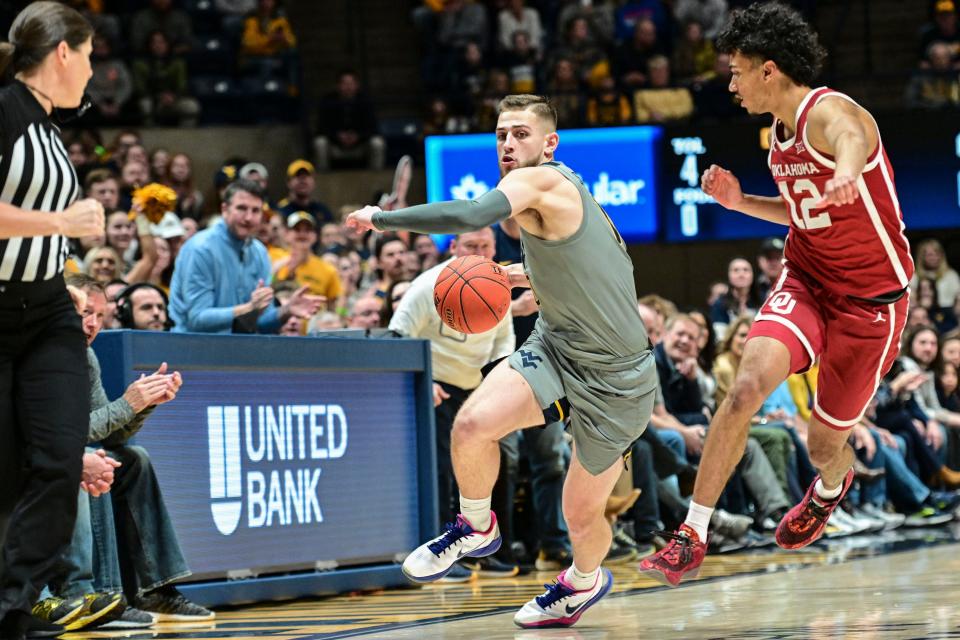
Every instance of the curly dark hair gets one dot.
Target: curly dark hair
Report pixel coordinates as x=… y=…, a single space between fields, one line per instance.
x=772 y=31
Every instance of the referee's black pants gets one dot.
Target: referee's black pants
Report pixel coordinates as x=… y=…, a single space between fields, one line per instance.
x=44 y=420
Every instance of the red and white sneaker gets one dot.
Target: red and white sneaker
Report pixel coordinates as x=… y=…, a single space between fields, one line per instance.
x=678 y=560
x=805 y=523
x=562 y=605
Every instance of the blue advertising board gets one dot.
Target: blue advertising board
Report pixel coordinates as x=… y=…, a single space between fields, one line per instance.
x=618 y=165
x=266 y=471
x=282 y=455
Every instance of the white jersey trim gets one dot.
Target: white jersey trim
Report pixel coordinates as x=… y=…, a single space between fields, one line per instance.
x=881 y=230
x=789 y=142
x=888 y=181
x=789 y=324
x=830 y=164
x=793 y=329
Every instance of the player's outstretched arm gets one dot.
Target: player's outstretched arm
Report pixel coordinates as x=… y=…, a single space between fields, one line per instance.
x=519 y=191
x=723 y=186
x=836 y=127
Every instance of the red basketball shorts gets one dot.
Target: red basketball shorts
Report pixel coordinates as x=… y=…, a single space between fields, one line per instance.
x=855 y=341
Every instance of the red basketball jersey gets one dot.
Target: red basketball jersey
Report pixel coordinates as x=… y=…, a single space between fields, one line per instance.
x=858 y=249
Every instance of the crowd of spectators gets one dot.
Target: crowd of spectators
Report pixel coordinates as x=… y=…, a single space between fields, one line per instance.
x=609 y=62
x=164 y=62
x=935 y=83
x=603 y=63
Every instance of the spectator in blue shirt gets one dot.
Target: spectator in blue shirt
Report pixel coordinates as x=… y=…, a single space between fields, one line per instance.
x=218 y=284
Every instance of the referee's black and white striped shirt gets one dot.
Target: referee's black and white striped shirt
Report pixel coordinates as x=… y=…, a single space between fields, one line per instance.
x=35 y=173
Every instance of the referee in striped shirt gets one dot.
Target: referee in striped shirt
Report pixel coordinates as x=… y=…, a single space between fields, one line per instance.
x=44 y=405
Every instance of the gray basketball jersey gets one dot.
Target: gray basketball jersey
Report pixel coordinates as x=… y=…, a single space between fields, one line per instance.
x=584 y=286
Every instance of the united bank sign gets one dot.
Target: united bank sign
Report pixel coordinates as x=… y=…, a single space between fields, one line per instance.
x=618 y=166
x=268 y=468
x=267 y=459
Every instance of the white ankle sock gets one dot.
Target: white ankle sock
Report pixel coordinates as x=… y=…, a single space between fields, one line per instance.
x=580 y=580
x=824 y=493
x=477 y=512
x=698 y=519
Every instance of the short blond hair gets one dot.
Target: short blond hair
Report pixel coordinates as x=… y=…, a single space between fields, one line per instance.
x=539 y=105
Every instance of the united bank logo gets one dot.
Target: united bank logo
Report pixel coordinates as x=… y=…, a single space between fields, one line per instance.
x=265 y=460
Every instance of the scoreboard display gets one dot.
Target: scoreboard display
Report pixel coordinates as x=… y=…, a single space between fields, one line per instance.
x=924 y=153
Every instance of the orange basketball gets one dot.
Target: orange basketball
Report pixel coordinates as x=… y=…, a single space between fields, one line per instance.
x=472 y=294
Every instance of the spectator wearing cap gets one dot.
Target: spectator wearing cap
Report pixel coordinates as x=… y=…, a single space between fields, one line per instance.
x=770 y=262
x=348 y=129
x=300 y=264
x=301 y=182
x=257 y=172
x=223 y=177
x=943 y=29
x=219 y=283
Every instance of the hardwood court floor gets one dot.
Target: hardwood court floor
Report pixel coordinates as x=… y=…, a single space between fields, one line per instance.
x=876 y=588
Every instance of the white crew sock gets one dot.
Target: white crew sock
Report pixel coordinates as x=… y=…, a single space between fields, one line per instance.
x=476 y=512
x=698 y=519
x=580 y=580
x=826 y=494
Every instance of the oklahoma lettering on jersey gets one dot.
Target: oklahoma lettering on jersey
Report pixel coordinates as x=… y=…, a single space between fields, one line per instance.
x=858 y=249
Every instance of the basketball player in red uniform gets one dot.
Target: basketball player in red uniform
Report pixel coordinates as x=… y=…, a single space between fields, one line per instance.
x=842 y=296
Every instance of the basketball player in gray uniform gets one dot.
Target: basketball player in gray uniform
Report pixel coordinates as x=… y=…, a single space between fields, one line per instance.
x=588 y=357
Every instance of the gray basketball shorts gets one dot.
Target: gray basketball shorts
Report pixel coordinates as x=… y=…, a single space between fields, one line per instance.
x=609 y=409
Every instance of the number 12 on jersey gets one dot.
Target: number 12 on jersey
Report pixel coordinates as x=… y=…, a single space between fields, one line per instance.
x=806 y=192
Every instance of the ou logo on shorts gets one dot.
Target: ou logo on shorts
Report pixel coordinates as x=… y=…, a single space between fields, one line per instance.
x=782 y=303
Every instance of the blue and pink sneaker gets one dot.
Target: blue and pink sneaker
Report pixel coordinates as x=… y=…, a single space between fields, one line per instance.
x=434 y=559
x=562 y=605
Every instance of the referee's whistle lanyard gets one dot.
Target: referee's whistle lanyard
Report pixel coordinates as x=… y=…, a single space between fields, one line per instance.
x=63 y=116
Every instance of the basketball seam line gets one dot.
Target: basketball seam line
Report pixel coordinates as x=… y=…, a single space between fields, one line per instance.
x=489 y=279
x=482 y=299
x=463 y=316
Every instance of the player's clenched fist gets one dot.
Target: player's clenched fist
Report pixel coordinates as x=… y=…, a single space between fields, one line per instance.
x=722 y=186
x=82 y=218
x=362 y=219
x=839 y=190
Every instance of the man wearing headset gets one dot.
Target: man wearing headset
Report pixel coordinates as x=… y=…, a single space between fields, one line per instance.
x=143 y=306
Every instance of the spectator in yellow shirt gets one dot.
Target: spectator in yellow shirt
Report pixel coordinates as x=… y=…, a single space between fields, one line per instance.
x=267 y=32
x=299 y=263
